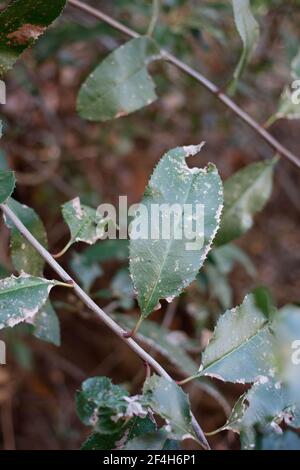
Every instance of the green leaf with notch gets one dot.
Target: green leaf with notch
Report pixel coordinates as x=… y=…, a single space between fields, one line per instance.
x=84 y=223
x=164 y=263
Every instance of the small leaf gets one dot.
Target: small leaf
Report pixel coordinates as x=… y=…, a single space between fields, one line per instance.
x=120 y=84
x=24 y=256
x=21 y=23
x=46 y=325
x=84 y=223
x=245 y=194
x=169 y=401
x=7 y=185
x=241 y=349
x=248 y=29
x=22 y=297
x=289 y=102
x=159 y=338
x=163 y=265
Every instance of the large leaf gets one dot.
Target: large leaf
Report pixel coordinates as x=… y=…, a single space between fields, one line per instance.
x=245 y=194
x=248 y=29
x=241 y=349
x=22 y=297
x=164 y=264
x=24 y=256
x=169 y=401
x=121 y=83
x=20 y=26
x=7 y=185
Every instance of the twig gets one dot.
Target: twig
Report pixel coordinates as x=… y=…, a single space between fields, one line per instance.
x=96 y=309
x=211 y=87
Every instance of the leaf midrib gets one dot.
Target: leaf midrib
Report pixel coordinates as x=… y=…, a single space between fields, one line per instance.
x=236 y=348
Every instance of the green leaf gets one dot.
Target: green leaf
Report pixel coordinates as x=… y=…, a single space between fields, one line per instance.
x=245 y=194
x=22 y=297
x=24 y=256
x=120 y=84
x=241 y=349
x=84 y=223
x=122 y=289
x=248 y=29
x=20 y=26
x=160 y=339
x=46 y=325
x=105 y=406
x=169 y=401
x=162 y=266
x=289 y=102
x=7 y=185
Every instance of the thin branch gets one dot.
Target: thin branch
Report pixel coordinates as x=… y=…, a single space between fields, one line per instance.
x=211 y=87
x=96 y=309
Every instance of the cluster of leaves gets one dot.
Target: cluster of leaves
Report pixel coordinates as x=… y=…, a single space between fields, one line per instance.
x=123 y=422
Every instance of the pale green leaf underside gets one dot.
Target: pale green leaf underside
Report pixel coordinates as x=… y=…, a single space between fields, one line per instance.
x=162 y=268
x=248 y=29
x=245 y=194
x=241 y=348
x=20 y=26
x=7 y=185
x=121 y=83
x=84 y=223
x=22 y=297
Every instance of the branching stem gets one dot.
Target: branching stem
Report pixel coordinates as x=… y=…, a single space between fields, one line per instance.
x=211 y=87
x=147 y=358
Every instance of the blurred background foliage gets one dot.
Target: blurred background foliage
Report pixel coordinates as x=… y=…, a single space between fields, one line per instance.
x=58 y=156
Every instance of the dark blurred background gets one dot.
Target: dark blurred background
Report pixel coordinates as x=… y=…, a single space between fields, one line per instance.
x=58 y=156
